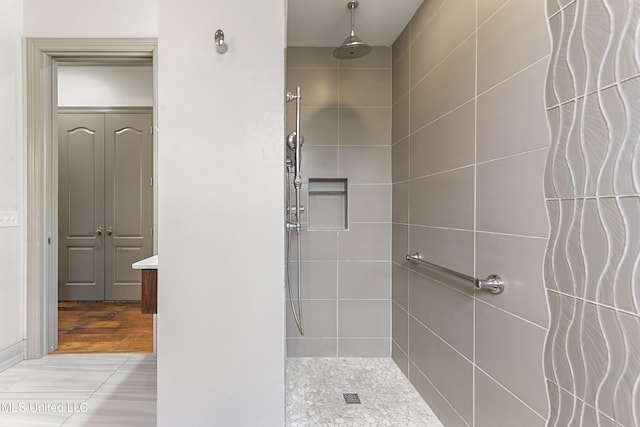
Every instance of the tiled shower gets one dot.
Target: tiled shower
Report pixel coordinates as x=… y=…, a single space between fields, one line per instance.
x=493 y=108
x=346 y=238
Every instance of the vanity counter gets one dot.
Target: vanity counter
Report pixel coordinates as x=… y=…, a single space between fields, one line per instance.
x=149 y=297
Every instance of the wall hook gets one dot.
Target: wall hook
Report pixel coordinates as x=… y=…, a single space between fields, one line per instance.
x=221 y=46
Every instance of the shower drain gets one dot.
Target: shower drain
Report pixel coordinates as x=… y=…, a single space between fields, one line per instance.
x=351 y=398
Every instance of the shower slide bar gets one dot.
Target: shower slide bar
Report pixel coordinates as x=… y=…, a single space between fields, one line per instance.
x=493 y=283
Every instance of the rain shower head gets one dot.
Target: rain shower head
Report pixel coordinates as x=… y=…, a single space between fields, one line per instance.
x=352 y=47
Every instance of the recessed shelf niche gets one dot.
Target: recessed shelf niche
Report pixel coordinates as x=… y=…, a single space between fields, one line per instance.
x=328 y=204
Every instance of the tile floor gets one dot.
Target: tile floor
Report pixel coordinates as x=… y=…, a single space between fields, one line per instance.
x=80 y=390
x=120 y=390
x=315 y=387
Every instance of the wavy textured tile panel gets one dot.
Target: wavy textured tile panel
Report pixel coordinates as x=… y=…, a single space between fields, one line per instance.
x=594 y=240
x=627 y=63
x=597 y=42
x=560 y=170
x=613 y=111
x=625 y=394
x=596 y=360
x=575 y=254
x=629 y=153
x=592 y=185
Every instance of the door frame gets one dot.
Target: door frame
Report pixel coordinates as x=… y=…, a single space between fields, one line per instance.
x=40 y=170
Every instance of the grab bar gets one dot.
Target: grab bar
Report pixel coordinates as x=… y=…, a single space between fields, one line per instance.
x=493 y=283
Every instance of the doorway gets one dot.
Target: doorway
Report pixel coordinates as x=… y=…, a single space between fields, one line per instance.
x=41 y=172
x=105 y=208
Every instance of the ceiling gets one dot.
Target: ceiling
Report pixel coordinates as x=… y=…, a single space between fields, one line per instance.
x=327 y=22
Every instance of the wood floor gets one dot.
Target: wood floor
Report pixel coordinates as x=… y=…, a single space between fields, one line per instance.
x=104 y=327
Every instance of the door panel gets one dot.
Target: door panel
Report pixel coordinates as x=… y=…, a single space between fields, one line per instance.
x=80 y=206
x=128 y=166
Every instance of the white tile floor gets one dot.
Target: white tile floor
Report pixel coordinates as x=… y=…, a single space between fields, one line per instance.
x=315 y=387
x=80 y=390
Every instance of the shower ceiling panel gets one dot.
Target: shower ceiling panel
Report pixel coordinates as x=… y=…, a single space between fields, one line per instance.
x=326 y=22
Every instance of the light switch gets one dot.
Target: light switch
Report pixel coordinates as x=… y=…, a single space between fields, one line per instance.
x=8 y=218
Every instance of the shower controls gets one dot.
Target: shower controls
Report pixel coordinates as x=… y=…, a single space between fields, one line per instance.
x=294 y=209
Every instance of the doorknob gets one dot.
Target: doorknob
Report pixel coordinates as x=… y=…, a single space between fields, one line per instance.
x=99 y=231
x=109 y=231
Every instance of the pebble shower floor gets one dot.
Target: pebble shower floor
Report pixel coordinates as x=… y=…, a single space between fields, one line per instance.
x=315 y=387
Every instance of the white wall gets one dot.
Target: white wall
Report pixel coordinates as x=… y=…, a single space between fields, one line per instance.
x=11 y=276
x=221 y=325
x=90 y=18
x=90 y=86
x=220 y=308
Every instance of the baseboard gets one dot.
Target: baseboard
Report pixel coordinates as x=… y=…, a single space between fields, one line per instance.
x=11 y=355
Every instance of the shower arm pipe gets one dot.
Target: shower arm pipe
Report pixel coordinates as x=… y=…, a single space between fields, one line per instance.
x=352 y=8
x=492 y=283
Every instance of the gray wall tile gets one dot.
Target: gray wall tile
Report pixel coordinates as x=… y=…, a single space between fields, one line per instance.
x=401 y=358
x=365 y=87
x=319 y=125
x=423 y=16
x=401 y=44
x=364 y=318
x=453 y=134
x=320 y=85
x=400 y=288
x=446 y=413
x=399 y=243
x=370 y=241
x=369 y=203
x=517 y=368
x=400 y=327
x=509 y=195
x=486 y=8
x=318 y=245
x=364 y=280
x=448 y=313
x=400 y=161
x=517 y=260
x=316 y=347
x=400 y=119
x=365 y=126
x=501 y=41
x=425 y=54
x=317 y=57
x=455 y=382
x=400 y=78
x=319 y=279
x=448 y=86
x=452 y=249
x=400 y=202
x=443 y=200
x=364 y=347
x=366 y=165
x=445 y=144
x=319 y=162
x=379 y=57
x=319 y=319
x=508 y=121
x=512 y=412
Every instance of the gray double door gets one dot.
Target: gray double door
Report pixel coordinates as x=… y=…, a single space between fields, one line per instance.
x=105 y=205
